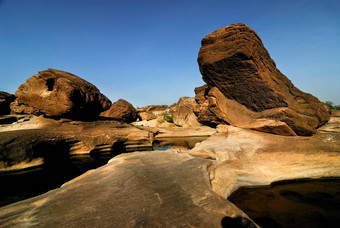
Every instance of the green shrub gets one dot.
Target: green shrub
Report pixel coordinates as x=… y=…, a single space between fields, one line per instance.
x=168 y=118
x=332 y=106
x=336 y=107
x=329 y=104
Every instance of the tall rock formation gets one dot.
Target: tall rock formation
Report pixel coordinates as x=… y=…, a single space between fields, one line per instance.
x=234 y=60
x=57 y=94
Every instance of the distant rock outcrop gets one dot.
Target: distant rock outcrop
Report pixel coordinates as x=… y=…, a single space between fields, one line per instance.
x=5 y=101
x=234 y=60
x=59 y=94
x=183 y=112
x=152 y=112
x=121 y=110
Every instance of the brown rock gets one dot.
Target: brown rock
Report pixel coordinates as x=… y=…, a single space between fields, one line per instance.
x=152 y=112
x=147 y=115
x=5 y=100
x=59 y=94
x=154 y=108
x=144 y=189
x=183 y=112
x=214 y=108
x=251 y=158
x=234 y=60
x=121 y=110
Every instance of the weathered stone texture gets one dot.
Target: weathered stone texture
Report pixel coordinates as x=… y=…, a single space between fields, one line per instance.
x=234 y=60
x=59 y=94
x=121 y=110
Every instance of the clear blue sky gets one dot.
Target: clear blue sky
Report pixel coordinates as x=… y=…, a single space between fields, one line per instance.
x=145 y=51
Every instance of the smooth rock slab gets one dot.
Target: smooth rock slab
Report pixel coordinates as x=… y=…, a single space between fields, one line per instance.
x=146 y=189
x=249 y=158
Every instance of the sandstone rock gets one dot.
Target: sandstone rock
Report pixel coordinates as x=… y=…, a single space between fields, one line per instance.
x=59 y=94
x=121 y=110
x=251 y=158
x=270 y=126
x=5 y=101
x=183 y=112
x=147 y=116
x=39 y=138
x=154 y=108
x=163 y=189
x=145 y=189
x=24 y=146
x=214 y=108
x=336 y=113
x=234 y=60
x=153 y=111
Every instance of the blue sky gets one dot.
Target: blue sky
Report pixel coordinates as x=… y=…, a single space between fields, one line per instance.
x=145 y=51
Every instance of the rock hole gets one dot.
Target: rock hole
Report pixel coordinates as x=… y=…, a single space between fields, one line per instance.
x=50 y=84
x=236 y=222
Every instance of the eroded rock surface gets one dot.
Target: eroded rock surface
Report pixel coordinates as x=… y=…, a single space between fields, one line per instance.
x=234 y=60
x=183 y=112
x=250 y=158
x=146 y=189
x=27 y=140
x=181 y=188
x=121 y=110
x=214 y=108
x=59 y=94
x=152 y=112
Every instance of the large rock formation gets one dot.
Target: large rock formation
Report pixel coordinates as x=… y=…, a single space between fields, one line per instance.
x=5 y=100
x=234 y=60
x=121 y=110
x=57 y=94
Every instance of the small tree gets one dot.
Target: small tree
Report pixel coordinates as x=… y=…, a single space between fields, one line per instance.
x=329 y=104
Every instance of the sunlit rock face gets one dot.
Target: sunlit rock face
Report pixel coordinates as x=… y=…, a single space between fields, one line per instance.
x=183 y=112
x=250 y=158
x=181 y=189
x=57 y=94
x=214 y=108
x=121 y=110
x=234 y=60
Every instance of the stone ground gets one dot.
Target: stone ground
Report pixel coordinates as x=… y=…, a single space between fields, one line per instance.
x=188 y=189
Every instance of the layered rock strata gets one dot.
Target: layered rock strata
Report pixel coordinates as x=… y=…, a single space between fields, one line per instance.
x=214 y=108
x=165 y=189
x=234 y=60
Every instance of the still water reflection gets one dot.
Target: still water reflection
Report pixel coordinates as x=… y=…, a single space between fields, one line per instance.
x=16 y=186
x=304 y=203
